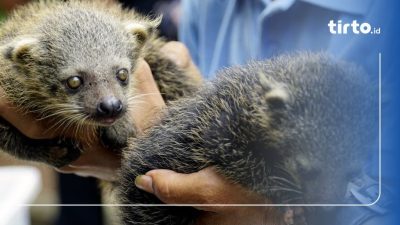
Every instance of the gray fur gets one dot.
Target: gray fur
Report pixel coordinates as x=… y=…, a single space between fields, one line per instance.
x=44 y=43
x=295 y=129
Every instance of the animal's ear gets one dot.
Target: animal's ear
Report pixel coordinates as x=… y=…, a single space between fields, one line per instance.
x=143 y=30
x=20 y=51
x=276 y=95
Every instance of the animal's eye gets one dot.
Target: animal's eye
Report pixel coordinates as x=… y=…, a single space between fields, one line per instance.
x=123 y=75
x=74 y=82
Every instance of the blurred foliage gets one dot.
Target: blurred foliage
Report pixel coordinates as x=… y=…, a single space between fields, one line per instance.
x=2 y=15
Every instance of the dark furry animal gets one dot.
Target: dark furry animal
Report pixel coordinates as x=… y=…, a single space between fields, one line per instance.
x=295 y=129
x=72 y=63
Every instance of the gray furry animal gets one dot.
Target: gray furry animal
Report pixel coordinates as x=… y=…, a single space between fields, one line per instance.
x=295 y=129
x=71 y=63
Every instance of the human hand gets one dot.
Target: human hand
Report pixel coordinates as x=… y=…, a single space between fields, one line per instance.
x=207 y=190
x=179 y=53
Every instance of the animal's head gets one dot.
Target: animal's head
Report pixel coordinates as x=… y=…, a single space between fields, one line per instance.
x=324 y=178
x=79 y=65
x=331 y=134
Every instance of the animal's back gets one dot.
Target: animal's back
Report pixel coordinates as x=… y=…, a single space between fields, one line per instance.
x=293 y=129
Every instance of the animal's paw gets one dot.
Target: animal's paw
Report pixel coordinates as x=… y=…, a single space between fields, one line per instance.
x=63 y=152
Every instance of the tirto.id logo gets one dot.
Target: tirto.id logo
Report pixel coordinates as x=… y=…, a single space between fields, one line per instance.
x=356 y=28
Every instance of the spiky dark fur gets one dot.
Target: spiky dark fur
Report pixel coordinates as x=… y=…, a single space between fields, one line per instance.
x=295 y=129
x=44 y=42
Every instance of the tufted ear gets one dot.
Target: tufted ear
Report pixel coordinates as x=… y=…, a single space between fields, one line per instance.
x=143 y=30
x=19 y=51
x=277 y=96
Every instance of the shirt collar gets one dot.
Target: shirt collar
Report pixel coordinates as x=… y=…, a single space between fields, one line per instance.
x=359 y=7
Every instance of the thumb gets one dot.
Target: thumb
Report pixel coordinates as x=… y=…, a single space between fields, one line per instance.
x=148 y=101
x=171 y=187
x=180 y=55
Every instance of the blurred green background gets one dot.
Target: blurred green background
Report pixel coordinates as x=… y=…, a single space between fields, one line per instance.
x=2 y=15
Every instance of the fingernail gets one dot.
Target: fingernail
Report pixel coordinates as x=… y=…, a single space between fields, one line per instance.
x=145 y=183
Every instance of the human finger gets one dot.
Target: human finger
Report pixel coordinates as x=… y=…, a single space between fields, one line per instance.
x=180 y=55
x=148 y=100
x=203 y=187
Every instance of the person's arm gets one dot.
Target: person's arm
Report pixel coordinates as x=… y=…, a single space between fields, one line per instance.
x=208 y=187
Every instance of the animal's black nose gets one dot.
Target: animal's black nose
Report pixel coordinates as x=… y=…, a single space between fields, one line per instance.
x=109 y=107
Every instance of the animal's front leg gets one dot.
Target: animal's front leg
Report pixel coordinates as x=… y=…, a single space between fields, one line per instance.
x=56 y=153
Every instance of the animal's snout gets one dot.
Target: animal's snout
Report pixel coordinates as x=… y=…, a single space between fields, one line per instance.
x=109 y=107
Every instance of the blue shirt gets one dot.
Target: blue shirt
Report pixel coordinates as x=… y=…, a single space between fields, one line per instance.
x=221 y=33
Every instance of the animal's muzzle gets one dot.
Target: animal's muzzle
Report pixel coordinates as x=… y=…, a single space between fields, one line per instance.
x=109 y=107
